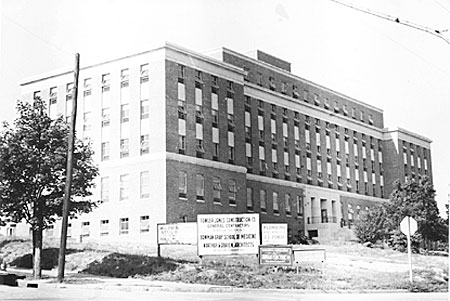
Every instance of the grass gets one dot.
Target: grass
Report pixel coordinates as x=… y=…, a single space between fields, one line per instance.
x=348 y=266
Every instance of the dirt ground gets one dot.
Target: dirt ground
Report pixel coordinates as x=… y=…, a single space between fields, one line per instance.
x=347 y=266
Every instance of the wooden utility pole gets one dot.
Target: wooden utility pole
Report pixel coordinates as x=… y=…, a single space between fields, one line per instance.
x=67 y=188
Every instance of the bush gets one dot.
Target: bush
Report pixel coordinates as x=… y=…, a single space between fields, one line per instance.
x=123 y=266
x=372 y=226
x=49 y=260
x=398 y=241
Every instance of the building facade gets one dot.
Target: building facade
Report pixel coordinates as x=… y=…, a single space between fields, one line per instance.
x=177 y=133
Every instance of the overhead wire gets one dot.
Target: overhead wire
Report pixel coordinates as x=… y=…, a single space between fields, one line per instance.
x=434 y=32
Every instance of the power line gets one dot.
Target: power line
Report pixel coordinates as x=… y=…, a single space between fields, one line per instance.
x=36 y=36
x=434 y=32
x=443 y=7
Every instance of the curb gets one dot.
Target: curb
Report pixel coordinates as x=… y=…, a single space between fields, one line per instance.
x=146 y=285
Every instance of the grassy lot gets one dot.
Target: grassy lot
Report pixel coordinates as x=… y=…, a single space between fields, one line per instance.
x=349 y=266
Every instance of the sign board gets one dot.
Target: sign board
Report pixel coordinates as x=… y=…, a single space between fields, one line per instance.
x=274 y=234
x=411 y=224
x=309 y=255
x=177 y=234
x=228 y=234
x=275 y=255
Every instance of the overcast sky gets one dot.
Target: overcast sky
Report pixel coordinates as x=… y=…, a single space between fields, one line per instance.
x=402 y=70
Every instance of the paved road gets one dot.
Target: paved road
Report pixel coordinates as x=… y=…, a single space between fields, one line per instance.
x=75 y=293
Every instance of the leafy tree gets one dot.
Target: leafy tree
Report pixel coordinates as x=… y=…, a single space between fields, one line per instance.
x=372 y=225
x=33 y=156
x=416 y=199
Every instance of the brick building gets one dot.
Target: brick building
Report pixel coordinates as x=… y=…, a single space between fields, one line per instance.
x=177 y=133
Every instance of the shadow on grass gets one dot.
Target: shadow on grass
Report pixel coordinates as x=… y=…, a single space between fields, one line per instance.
x=49 y=259
x=125 y=265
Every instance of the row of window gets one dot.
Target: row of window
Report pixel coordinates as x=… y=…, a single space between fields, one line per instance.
x=124 y=227
x=200 y=188
x=124 y=187
x=314 y=98
x=278 y=206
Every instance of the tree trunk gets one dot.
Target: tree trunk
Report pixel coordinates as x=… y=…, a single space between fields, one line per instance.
x=37 y=250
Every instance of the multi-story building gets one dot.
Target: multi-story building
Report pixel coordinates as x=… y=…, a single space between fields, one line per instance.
x=177 y=133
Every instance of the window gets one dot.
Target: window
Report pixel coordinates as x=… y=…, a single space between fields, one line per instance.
x=105 y=151
x=85 y=229
x=198 y=76
x=105 y=82
x=124 y=113
x=305 y=95
x=145 y=109
x=182 y=180
x=247 y=118
x=316 y=99
x=104 y=227
x=124 y=148
x=87 y=121
x=230 y=110
x=124 y=187
x=181 y=73
x=105 y=117
x=261 y=126
x=275 y=202
x=308 y=166
x=263 y=200
x=232 y=191
x=181 y=135
x=249 y=198
x=181 y=144
x=299 y=205
x=286 y=162
x=145 y=149
x=215 y=80
x=259 y=80
x=230 y=85
x=283 y=88
x=215 y=108
x=287 y=203
x=53 y=95
x=216 y=189
x=50 y=229
x=104 y=189
x=144 y=73
x=145 y=184
x=200 y=186
x=326 y=103
x=123 y=226
x=295 y=93
x=124 y=78
x=144 y=224
x=87 y=86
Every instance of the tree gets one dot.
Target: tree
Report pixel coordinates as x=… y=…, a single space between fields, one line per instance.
x=372 y=225
x=33 y=157
x=416 y=199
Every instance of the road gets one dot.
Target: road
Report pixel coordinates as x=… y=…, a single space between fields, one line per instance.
x=75 y=293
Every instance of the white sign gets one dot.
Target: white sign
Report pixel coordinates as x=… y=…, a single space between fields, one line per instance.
x=228 y=234
x=309 y=255
x=177 y=234
x=274 y=234
x=411 y=225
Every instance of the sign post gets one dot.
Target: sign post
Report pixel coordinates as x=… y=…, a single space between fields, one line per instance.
x=408 y=226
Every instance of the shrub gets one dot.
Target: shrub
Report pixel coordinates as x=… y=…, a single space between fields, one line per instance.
x=123 y=266
x=49 y=260
x=372 y=225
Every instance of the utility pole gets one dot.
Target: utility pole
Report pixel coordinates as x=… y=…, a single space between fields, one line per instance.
x=67 y=188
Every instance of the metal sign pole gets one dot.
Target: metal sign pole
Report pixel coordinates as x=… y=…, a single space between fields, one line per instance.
x=409 y=251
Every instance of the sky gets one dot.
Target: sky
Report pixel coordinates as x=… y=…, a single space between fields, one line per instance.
x=399 y=69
